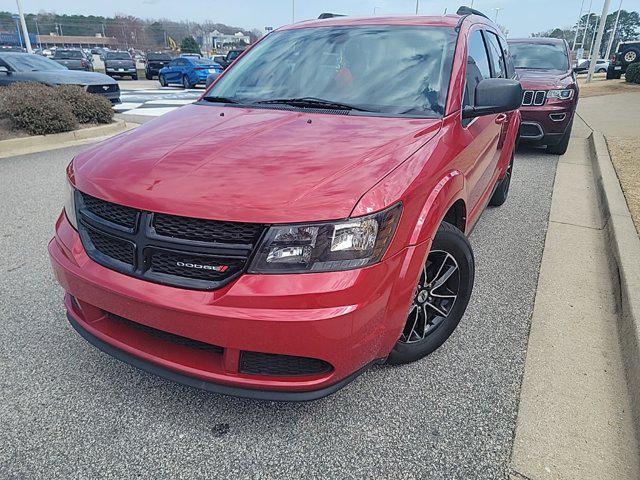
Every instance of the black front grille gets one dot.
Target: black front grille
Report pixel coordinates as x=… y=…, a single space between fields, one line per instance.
x=110 y=246
x=110 y=88
x=255 y=363
x=167 y=336
x=179 y=251
x=112 y=212
x=206 y=230
x=534 y=97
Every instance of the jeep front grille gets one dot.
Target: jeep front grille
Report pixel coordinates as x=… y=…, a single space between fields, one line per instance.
x=534 y=97
x=180 y=251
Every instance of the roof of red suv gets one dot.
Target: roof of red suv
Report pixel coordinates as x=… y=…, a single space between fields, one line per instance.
x=435 y=21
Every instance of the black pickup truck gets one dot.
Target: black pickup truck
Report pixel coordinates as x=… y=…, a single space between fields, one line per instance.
x=228 y=59
x=120 y=64
x=155 y=61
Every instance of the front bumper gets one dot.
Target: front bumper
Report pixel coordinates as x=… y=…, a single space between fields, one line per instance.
x=546 y=124
x=346 y=319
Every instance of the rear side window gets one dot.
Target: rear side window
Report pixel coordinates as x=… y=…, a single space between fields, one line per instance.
x=477 y=67
x=495 y=52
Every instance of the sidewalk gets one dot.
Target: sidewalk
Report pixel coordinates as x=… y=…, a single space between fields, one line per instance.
x=574 y=418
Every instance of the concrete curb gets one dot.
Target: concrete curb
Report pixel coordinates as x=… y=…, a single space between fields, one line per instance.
x=17 y=146
x=624 y=248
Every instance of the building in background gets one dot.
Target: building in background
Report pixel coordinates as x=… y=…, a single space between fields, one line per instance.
x=78 y=41
x=220 y=42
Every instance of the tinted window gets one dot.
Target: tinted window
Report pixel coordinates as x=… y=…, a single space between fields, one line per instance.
x=68 y=54
x=477 y=66
x=543 y=56
x=495 y=51
x=511 y=71
x=382 y=69
x=30 y=63
x=118 y=56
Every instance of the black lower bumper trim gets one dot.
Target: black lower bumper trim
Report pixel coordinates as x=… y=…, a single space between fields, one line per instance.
x=269 y=395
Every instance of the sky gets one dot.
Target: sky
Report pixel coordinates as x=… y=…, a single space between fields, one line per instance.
x=521 y=17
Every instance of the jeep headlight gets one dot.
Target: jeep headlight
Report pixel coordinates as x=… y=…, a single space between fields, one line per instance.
x=566 y=94
x=327 y=246
x=70 y=205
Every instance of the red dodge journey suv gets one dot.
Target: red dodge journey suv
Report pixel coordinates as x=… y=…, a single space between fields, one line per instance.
x=306 y=218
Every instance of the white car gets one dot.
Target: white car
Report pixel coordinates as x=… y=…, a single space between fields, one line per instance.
x=583 y=66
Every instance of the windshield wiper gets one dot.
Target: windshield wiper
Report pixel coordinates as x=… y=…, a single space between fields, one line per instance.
x=214 y=99
x=312 y=102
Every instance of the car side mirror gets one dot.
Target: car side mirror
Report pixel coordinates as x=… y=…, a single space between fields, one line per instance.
x=4 y=70
x=495 y=95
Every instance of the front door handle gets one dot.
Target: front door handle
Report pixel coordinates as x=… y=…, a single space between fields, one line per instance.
x=500 y=119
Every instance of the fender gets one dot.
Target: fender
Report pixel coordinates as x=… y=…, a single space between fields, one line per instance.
x=447 y=191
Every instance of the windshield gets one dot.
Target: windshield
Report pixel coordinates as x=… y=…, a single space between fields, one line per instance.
x=543 y=56
x=31 y=63
x=68 y=54
x=118 y=56
x=381 y=69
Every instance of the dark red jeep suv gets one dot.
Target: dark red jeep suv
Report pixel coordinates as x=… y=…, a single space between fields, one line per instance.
x=306 y=218
x=550 y=91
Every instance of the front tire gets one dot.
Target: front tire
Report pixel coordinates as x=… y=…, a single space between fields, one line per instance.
x=186 y=83
x=148 y=76
x=162 y=80
x=134 y=77
x=441 y=298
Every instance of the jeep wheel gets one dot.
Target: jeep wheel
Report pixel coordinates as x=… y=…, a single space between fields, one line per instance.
x=631 y=56
x=440 y=299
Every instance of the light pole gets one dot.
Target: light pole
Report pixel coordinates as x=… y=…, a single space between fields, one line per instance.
x=417 y=6
x=613 y=32
x=374 y=9
x=293 y=11
x=497 y=9
x=596 y=49
x=575 y=37
x=25 y=32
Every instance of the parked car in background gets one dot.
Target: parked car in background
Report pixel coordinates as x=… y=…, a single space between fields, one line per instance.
x=626 y=54
x=73 y=59
x=297 y=224
x=120 y=64
x=211 y=78
x=188 y=71
x=583 y=66
x=155 y=62
x=25 y=67
x=550 y=91
x=228 y=59
x=11 y=48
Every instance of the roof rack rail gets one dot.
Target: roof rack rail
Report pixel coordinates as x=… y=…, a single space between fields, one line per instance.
x=329 y=15
x=470 y=11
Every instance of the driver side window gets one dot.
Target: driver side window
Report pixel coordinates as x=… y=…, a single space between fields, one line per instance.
x=477 y=69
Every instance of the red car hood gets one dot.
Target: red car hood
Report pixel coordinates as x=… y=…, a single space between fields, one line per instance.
x=544 y=79
x=249 y=165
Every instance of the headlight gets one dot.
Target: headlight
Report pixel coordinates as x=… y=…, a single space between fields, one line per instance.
x=70 y=206
x=326 y=247
x=560 y=94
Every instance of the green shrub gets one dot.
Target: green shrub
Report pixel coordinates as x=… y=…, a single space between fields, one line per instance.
x=87 y=108
x=633 y=73
x=36 y=108
x=40 y=109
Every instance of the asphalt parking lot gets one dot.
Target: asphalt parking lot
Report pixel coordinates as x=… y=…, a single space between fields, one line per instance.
x=70 y=411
